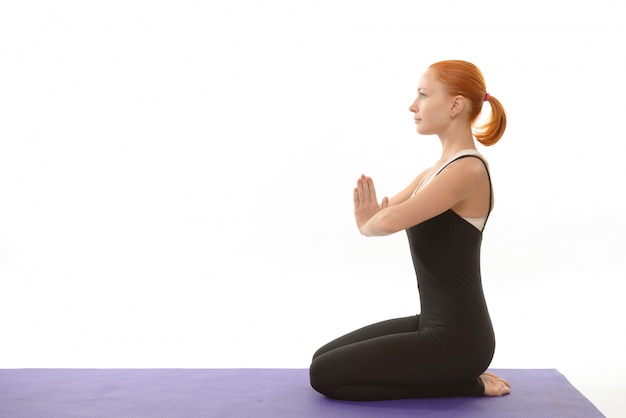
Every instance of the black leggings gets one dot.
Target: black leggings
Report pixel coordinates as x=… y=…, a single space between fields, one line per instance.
x=392 y=360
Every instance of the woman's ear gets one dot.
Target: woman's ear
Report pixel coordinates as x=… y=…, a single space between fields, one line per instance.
x=458 y=103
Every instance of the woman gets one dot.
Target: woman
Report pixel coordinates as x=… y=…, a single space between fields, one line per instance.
x=446 y=349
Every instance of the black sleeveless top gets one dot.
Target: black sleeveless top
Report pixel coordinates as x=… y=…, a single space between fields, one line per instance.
x=446 y=256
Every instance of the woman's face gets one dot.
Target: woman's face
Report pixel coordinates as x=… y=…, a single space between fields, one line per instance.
x=432 y=106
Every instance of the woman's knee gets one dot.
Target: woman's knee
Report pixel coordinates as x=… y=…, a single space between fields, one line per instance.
x=320 y=379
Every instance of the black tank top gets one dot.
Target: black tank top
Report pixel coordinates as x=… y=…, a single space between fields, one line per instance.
x=446 y=256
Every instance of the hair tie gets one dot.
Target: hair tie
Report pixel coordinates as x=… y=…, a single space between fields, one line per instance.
x=487 y=96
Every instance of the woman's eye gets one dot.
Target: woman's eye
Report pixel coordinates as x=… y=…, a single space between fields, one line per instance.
x=422 y=95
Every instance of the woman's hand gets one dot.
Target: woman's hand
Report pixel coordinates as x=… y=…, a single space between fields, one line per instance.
x=365 y=202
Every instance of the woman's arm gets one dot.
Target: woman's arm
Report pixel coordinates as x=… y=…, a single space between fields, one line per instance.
x=408 y=191
x=455 y=184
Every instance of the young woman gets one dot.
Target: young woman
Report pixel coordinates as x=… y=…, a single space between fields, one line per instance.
x=446 y=349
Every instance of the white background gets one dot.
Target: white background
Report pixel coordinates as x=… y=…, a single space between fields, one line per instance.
x=176 y=178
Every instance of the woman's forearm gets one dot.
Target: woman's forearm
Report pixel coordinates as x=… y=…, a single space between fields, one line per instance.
x=378 y=225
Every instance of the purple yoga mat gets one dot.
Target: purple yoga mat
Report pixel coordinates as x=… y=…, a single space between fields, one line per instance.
x=258 y=393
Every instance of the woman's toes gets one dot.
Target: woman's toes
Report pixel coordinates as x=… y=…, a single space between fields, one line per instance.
x=494 y=385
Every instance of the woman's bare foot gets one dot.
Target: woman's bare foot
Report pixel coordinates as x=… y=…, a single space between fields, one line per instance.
x=494 y=385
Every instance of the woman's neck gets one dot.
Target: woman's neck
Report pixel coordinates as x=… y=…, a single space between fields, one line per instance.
x=456 y=140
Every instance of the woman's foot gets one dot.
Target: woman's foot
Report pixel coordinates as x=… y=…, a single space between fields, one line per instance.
x=494 y=385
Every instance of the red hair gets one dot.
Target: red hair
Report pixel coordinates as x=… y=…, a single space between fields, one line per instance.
x=461 y=78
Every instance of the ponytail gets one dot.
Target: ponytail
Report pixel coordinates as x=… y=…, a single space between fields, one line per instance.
x=465 y=79
x=491 y=132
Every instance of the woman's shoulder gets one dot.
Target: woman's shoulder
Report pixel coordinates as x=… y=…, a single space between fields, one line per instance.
x=466 y=167
x=464 y=154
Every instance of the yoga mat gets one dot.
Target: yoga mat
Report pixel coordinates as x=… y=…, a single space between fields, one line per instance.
x=259 y=393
